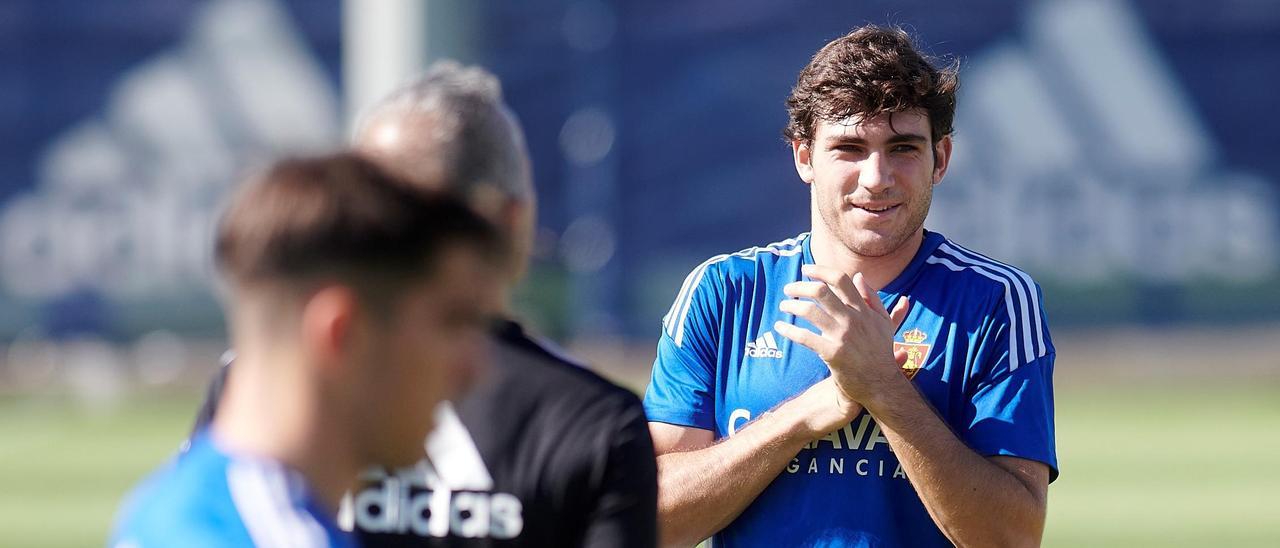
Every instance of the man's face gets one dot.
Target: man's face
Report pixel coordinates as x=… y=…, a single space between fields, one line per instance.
x=872 y=182
x=431 y=349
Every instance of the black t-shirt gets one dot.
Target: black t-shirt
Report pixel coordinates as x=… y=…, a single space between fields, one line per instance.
x=542 y=452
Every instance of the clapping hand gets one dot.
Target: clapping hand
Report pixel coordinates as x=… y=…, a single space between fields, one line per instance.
x=855 y=336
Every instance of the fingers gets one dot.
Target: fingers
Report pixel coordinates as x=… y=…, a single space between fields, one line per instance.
x=810 y=311
x=812 y=341
x=835 y=293
x=868 y=295
x=818 y=292
x=899 y=313
x=900 y=356
x=837 y=281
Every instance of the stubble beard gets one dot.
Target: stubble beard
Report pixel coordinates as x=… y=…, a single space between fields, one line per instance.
x=864 y=243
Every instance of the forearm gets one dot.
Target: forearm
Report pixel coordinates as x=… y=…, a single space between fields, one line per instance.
x=701 y=491
x=973 y=500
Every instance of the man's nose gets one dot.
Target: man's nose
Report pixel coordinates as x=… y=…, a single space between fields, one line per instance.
x=874 y=174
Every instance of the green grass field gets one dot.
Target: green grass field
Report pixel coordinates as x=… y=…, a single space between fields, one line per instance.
x=1142 y=465
x=64 y=468
x=1161 y=466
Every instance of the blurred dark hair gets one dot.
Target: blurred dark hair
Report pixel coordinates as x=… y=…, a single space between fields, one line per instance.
x=340 y=217
x=871 y=71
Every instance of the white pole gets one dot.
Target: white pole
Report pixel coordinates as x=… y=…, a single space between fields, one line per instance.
x=383 y=44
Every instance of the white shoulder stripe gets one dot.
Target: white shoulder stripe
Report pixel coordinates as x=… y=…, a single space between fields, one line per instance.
x=679 y=312
x=253 y=504
x=676 y=329
x=261 y=495
x=1027 y=292
x=1008 y=300
x=1027 y=284
x=680 y=308
x=1015 y=296
x=302 y=526
x=676 y=305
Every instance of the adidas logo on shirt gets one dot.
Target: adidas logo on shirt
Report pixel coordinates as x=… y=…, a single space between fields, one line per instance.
x=764 y=347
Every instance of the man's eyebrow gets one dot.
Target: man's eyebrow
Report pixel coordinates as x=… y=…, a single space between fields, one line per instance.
x=908 y=138
x=896 y=138
x=846 y=139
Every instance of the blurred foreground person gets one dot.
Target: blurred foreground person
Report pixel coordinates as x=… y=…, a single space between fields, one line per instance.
x=540 y=451
x=352 y=298
x=869 y=383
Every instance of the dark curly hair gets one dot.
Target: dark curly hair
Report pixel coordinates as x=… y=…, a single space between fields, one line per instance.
x=868 y=72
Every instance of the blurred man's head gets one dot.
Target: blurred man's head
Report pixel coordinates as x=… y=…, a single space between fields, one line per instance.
x=361 y=289
x=450 y=127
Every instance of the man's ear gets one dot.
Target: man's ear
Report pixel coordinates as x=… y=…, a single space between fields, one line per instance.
x=941 y=158
x=489 y=202
x=802 y=153
x=515 y=216
x=329 y=321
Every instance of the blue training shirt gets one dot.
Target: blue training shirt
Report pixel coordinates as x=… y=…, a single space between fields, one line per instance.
x=206 y=498
x=976 y=329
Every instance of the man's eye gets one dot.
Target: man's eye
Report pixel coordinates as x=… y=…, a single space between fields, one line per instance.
x=905 y=148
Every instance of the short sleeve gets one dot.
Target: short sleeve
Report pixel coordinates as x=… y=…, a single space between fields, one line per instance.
x=1010 y=410
x=625 y=513
x=682 y=388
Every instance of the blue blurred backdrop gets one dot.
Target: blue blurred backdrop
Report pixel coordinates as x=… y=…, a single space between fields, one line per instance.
x=1121 y=152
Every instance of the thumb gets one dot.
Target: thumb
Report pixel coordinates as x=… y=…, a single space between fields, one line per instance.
x=900 y=356
x=899 y=313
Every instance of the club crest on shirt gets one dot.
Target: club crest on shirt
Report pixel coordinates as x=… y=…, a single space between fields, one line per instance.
x=916 y=349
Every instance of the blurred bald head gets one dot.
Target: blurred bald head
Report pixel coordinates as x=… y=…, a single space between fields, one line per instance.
x=450 y=127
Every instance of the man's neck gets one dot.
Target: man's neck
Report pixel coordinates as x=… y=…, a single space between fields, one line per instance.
x=504 y=301
x=264 y=413
x=878 y=271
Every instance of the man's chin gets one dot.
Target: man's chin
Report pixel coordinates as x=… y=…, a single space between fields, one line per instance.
x=871 y=244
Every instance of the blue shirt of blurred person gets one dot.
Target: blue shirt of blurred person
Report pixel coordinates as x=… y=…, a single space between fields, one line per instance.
x=209 y=498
